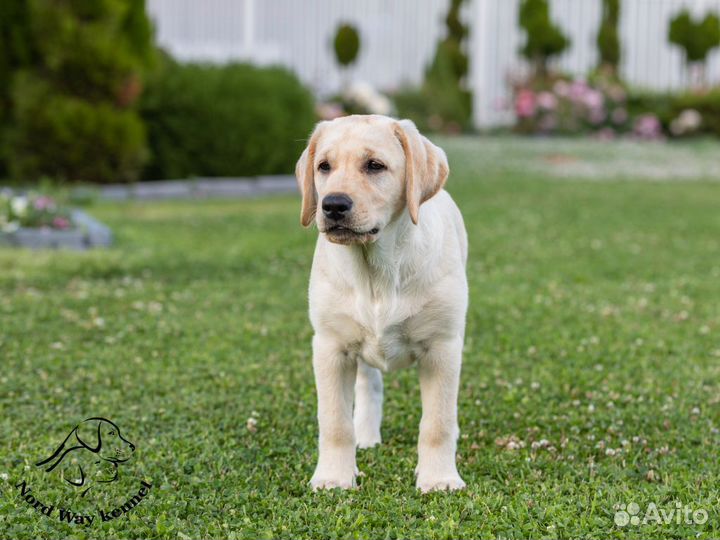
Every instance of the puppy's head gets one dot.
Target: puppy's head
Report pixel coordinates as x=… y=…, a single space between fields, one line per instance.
x=103 y=437
x=359 y=173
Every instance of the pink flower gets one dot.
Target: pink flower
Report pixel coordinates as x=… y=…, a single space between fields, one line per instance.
x=525 y=103
x=44 y=203
x=593 y=99
x=547 y=101
x=648 y=126
x=578 y=89
x=61 y=223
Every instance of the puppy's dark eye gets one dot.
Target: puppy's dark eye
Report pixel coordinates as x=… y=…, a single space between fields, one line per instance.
x=324 y=166
x=111 y=433
x=375 y=166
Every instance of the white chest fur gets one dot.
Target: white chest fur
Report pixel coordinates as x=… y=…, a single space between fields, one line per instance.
x=384 y=340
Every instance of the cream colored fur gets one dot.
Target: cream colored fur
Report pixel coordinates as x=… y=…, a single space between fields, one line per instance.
x=388 y=292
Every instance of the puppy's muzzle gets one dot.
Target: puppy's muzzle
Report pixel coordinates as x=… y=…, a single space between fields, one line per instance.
x=336 y=206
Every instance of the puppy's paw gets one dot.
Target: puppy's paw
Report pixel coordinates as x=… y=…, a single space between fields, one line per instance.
x=368 y=440
x=429 y=483
x=319 y=483
x=332 y=479
x=367 y=432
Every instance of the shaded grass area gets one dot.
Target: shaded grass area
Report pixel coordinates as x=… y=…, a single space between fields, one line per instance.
x=590 y=378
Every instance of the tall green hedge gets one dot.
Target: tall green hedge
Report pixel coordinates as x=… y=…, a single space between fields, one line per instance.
x=17 y=51
x=73 y=106
x=233 y=120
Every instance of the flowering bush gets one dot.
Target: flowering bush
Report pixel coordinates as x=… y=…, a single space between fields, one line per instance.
x=604 y=107
x=686 y=114
x=561 y=105
x=32 y=210
x=599 y=106
x=358 y=98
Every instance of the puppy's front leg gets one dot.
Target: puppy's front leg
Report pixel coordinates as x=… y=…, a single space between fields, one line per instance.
x=334 y=378
x=439 y=380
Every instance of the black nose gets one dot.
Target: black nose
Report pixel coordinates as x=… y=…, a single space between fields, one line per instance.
x=336 y=205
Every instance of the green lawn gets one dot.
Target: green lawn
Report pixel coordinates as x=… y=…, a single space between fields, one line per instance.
x=593 y=332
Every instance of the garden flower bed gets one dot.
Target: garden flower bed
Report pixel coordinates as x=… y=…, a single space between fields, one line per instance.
x=604 y=107
x=40 y=222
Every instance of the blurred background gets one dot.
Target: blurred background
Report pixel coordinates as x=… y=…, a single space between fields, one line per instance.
x=116 y=91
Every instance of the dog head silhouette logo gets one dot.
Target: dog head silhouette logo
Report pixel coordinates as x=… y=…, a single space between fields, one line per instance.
x=92 y=452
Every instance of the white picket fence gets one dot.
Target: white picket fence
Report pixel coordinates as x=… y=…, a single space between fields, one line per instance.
x=648 y=60
x=399 y=39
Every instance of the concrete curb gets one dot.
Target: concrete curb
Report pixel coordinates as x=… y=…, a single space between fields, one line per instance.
x=200 y=188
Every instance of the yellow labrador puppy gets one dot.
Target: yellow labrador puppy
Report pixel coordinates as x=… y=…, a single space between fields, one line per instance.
x=387 y=289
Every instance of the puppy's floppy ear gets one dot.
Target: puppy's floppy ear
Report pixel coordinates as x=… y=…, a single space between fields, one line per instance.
x=88 y=434
x=305 y=174
x=426 y=167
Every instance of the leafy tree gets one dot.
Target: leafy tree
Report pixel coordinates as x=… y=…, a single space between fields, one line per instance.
x=608 y=40
x=543 y=38
x=74 y=114
x=695 y=38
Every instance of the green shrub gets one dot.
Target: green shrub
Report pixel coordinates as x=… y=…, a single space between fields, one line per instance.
x=234 y=120
x=670 y=106
x=543 y=38
x=346 y=45
x=66 y=137
x=73 y=106
x=608 y=40
x=662 y=104
x=415 y=104
x=707 y=104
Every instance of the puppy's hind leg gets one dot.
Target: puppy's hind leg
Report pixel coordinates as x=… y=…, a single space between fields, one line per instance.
x=367 y=416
